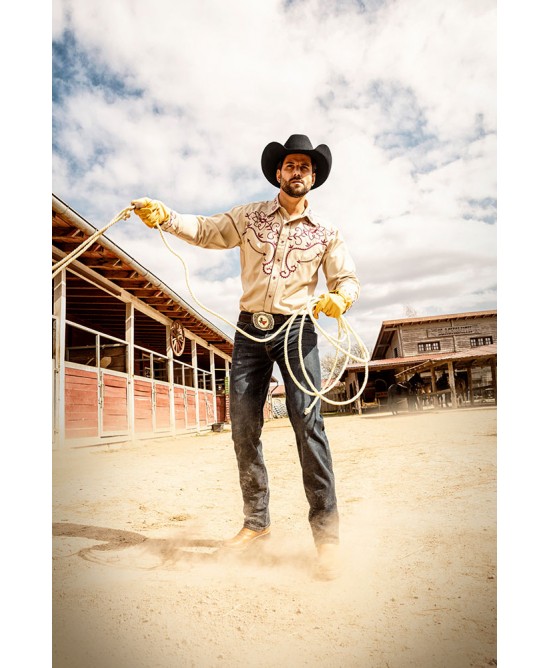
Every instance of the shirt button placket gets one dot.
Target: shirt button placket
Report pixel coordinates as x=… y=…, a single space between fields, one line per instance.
x=277 y=262
x=271 y=286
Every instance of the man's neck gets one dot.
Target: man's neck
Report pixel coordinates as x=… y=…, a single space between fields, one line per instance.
x=294 y=206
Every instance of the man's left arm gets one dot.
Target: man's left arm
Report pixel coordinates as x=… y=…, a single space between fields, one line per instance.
x=341 y=277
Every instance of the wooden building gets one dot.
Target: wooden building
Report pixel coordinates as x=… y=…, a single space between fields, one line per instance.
x=130 y=358
x=460 y=345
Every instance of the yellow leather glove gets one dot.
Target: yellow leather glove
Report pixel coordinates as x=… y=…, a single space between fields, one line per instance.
x=332 y=304
x=151 y=211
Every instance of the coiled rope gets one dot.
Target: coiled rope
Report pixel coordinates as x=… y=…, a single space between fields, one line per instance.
x=346 y=333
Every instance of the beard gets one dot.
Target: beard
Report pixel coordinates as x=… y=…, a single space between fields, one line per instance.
x=294 y=188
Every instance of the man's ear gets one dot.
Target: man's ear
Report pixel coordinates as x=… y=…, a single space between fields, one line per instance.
x=278 y=176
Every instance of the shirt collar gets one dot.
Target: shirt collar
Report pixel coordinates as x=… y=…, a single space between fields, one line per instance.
x=307 y=215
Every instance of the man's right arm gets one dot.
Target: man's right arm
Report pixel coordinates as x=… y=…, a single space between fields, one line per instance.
x=219 y=231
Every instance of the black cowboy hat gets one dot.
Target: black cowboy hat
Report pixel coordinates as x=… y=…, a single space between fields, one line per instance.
x=274 y=153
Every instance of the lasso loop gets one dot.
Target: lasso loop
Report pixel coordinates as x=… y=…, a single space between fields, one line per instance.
x=345 y=330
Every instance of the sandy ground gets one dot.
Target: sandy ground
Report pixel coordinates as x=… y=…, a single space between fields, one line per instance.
x=138 y=580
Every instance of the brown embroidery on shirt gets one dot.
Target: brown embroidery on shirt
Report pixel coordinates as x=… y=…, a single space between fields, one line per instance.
x=303 y=238
x=267 y=232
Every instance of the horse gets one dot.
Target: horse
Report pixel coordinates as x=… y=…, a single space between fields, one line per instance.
x=422 y=388
x=397 y=392
x=419 y=385
x=461 y=387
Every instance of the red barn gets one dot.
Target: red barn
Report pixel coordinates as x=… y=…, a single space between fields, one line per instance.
x=130 y=358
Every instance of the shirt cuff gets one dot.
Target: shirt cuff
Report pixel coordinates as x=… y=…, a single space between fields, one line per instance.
x=181 y=225
x=350 y=293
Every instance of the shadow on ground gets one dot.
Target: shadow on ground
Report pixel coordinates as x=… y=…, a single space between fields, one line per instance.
x=118 y=547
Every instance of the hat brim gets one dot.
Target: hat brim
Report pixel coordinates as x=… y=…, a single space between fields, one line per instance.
x=274 y=152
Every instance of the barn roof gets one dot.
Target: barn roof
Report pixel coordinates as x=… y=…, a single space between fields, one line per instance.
x=440 y=318
x=389 y=327
x=108 y=266
x=420 y=363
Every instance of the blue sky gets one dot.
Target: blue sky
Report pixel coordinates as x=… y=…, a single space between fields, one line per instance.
x=161 y=99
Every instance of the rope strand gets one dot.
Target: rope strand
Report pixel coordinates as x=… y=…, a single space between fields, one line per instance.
x=58 y=266
x=306 y=310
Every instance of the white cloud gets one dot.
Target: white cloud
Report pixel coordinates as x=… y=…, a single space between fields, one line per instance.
x=177 y=101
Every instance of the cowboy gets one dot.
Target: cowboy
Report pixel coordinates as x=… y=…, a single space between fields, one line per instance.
x=283 y=244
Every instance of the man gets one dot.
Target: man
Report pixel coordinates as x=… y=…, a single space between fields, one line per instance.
x=283 y=244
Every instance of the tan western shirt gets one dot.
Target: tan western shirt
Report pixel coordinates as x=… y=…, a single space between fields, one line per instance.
x=280 y=256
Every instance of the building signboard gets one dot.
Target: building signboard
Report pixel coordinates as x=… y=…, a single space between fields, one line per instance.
x=450 y=331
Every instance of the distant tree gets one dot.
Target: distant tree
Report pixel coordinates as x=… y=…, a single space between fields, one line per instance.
x=328 y=361
x=409 y=312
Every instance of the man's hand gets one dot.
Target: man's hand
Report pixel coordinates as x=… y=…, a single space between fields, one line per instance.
x=151 y=211
x=332 y=304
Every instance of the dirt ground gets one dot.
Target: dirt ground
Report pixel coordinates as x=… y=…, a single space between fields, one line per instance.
x=138 y=580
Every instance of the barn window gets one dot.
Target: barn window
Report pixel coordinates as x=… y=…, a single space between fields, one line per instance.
x=150 y=365
x=86 y=346
x=481 y=341
x=204 y=379
x=183 y=374
x=80 y=345
x=428 y=346
x=112 y=354
x=142 y=362
x=160 y=368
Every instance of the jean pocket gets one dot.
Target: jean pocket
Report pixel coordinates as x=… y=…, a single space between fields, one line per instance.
x=247 y=328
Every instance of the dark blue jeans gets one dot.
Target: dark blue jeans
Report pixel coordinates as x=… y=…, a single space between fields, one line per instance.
x=251 y=371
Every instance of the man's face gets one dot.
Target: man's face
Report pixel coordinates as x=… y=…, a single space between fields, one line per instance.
x=296 y=175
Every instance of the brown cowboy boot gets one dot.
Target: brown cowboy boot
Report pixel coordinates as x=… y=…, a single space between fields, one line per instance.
x=328 y=566
x=245 y=537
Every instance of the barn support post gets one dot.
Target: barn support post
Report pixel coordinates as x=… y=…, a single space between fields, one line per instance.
x=434 y=398
x=432 y=375
x=196 y=383
x=353 y=389
x=213 y=384
x=172 y=407
x=60 y=312
x=470 y=388
x=451 y=374
x=100 y=388
x=349 y=388
x=129 y=338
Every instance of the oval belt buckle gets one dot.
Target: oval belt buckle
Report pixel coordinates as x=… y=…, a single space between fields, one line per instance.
x=263 y=321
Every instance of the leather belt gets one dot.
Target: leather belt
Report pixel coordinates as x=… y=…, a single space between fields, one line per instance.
x=262 y=320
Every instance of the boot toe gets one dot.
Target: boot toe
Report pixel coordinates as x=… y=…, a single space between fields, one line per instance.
x=245 y=537
x=329 y=565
